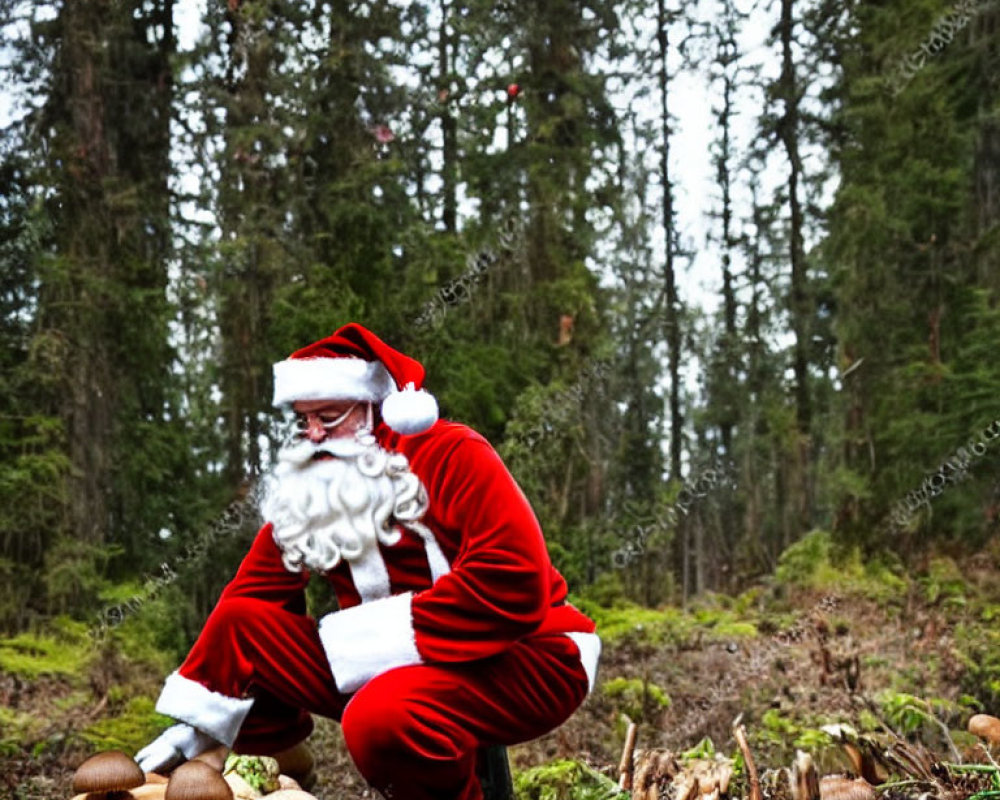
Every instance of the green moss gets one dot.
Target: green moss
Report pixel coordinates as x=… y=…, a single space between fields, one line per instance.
x=630 y=622
x=636 y=698
x=564 y=780
x=720 y=618
x=735 y=630
x=63 y=652
x=627 y=621
x=17 y=730
x=135 y=726
x=74 y=701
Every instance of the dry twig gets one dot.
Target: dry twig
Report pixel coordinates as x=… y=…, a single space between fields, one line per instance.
x=625 y=765
x=740 y=734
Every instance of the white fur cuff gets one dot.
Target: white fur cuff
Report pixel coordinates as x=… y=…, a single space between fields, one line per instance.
x=589 y=645
x=366 y=640
x=218 y=715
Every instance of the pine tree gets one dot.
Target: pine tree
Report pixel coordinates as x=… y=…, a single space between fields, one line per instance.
x=901 y=232
x=92 y=151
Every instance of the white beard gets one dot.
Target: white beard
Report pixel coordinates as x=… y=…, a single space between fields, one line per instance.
x=341 y=508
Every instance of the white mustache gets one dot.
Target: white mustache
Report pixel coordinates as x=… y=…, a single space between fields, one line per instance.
x=301 y=453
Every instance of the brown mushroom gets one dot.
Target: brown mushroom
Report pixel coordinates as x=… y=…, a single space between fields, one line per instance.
x=109 y=773
x=215 y=757
x=985 y=727
x=837 y=787
x=196 y=780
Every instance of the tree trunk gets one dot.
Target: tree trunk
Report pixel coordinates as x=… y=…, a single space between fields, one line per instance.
x=449 y=128
x=80 y=311
x=799 y=306
x=244 y=216
x=669 y=278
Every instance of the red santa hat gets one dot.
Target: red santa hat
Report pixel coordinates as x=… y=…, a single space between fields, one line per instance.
x=354 y=364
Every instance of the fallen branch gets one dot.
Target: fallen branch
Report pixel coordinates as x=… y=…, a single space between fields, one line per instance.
x=625 y=766
x=740 y=734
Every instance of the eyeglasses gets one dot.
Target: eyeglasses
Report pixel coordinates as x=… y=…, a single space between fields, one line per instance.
x=328 y=420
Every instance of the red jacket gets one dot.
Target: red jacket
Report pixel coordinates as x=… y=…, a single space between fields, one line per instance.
x=499 y=587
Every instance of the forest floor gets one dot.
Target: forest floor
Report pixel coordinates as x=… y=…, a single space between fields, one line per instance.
x=898 y=657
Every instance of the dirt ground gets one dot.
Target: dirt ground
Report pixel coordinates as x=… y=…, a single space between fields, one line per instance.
x=829 y=658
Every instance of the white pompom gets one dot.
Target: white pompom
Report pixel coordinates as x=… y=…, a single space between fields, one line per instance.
x=410 y=411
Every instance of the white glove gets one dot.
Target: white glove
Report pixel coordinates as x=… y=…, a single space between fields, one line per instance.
x=173 y=746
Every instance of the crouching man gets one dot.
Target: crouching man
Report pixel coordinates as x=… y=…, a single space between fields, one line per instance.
x=453 y=630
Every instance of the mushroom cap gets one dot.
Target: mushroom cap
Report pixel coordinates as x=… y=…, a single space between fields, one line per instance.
x=196 y=780
x=110 y=771
x=985 y=727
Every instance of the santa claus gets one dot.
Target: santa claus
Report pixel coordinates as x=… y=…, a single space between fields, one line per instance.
x=453 y=631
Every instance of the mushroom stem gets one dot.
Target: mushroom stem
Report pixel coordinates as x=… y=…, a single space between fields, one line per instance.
x=215 y=758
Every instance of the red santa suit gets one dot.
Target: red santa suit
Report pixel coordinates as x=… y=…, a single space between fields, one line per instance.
x=456 y=636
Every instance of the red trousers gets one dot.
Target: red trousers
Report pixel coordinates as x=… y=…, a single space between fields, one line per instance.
x=412 y=731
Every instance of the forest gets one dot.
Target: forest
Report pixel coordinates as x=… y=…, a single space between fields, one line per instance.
x=756 y=417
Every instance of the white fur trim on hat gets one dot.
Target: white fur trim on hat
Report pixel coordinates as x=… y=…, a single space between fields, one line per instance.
x=410 y=411
x=331 y=379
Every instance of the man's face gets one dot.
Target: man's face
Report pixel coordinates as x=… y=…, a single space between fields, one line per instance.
x=335 y=494
x=325 y=420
